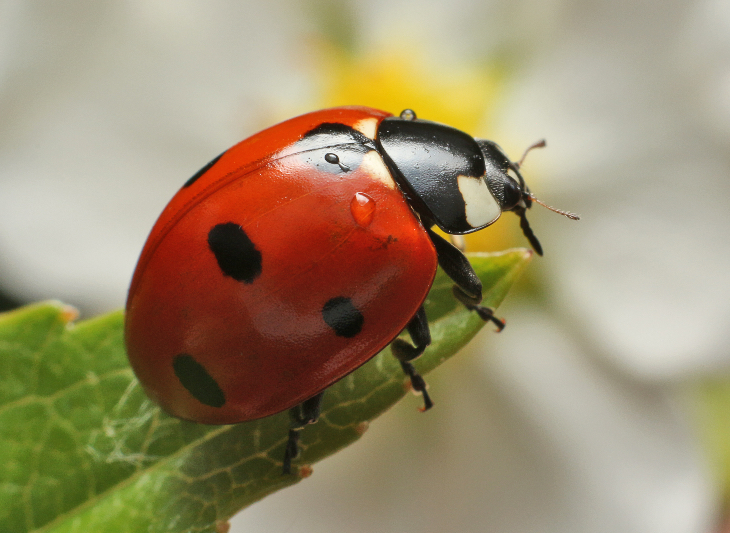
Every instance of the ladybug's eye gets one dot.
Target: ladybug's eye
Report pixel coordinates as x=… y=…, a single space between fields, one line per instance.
x=512 y=194
x=506 y=190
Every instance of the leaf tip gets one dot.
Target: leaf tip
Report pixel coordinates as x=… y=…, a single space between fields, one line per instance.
x=525 y=253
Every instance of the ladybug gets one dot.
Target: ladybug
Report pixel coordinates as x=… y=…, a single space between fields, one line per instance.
x=295 y=256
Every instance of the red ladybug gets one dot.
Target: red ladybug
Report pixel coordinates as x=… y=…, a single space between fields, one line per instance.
x=294 y=257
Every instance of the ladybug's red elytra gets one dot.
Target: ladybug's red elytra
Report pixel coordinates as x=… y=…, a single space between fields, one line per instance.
x=298 y=254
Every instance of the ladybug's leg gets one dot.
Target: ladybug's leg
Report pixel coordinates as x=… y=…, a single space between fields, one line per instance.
x=468 y=288
x=471 y=303
x=405 y=353
x=300 y=415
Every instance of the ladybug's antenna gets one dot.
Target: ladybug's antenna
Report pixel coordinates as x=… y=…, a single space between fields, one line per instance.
x=571 y=216
x=539 y=144
x=527 y=196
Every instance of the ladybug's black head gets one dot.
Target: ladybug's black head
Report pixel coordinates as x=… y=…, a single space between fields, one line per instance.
x=508 y=186
x=459 y=183
x=503 y=177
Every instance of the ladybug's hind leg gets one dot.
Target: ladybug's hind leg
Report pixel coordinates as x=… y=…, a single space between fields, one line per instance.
x=300 y=416
x=468 y=288
x=405 y=353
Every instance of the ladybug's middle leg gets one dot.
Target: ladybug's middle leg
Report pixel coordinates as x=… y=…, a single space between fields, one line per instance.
x=405 y=353
x=468 y=288
x=300 y=416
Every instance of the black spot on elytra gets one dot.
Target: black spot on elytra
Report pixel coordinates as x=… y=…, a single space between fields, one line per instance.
x=237 y=256
x=343 y=317
x=195 y=378
x=202 y=171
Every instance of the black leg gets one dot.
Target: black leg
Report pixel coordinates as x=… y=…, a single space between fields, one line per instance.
x=468 y=288
x=472 y=304
x=291 y=451
x=456 y=265
x=527 y=230
x=300 y=415
x=405 y=353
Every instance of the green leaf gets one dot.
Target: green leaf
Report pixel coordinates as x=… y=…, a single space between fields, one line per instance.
x=83 y=449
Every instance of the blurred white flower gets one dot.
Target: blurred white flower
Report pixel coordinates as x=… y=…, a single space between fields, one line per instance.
x=107 y=107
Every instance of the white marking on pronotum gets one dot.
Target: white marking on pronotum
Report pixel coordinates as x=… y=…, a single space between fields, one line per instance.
x=480 y=206
x=374 y=165
x=367 y=126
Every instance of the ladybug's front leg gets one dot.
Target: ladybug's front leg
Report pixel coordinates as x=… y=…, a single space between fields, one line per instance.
x=300 y=416
x=468 y=288
x=405 y=353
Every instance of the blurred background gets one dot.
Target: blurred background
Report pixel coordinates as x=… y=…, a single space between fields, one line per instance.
x=604 y=406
